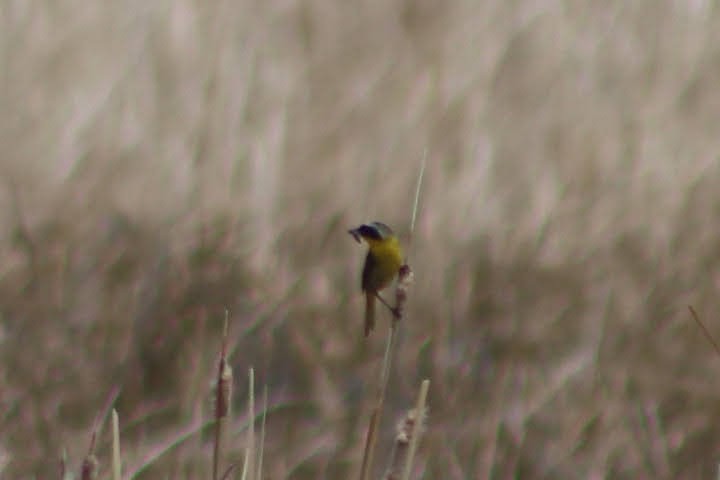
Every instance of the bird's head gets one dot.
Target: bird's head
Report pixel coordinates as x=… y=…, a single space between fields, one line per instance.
x=373 y=231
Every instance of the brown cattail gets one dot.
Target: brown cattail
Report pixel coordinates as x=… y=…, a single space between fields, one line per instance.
x=224 y=390
x=412 y=424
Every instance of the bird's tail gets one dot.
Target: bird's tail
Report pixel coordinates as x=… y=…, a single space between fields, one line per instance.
x=369 y=312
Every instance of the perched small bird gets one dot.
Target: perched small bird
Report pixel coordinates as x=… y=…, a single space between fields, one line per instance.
x=382 y=264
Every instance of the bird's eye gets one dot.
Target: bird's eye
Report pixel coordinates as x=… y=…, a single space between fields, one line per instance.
x=370 y=231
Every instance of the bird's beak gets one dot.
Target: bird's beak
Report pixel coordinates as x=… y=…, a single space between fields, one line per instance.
x=356 y=235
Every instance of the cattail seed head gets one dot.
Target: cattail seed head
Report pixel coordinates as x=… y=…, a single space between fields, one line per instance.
x=224 y=390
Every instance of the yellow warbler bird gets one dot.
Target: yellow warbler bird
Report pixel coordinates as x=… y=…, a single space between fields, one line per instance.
x=382 y=264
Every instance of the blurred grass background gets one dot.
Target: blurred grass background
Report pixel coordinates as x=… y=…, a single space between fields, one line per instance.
x=163 y=161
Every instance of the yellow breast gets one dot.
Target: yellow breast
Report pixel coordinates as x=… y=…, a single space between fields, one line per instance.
x=387 y=258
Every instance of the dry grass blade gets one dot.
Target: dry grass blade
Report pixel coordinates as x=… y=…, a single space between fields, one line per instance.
x=704 y=329
x=262 y=434
x=228 y=471
x=249 y=464
x=418 y=189
x=155 y=452
x=116 y=467
x=63 y=464
x=416 y=202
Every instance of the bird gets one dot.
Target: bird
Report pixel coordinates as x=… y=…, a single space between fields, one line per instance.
x=382 y=264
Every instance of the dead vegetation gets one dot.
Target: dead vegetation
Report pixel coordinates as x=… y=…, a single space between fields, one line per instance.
x=163 y=162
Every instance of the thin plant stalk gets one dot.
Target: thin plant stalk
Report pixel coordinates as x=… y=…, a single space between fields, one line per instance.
x=249 y=467
x=704 y=329
x=373 y=427
x=418 y=189
x=223 y=397
x=116 y=467
x=261 y=447
x=417 y=427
